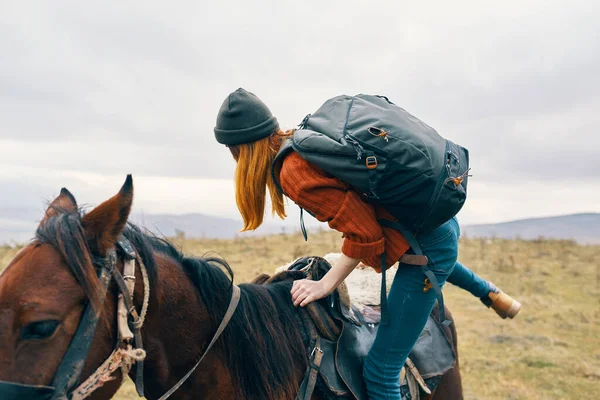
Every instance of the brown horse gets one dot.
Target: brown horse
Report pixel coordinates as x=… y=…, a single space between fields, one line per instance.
x=48 y=285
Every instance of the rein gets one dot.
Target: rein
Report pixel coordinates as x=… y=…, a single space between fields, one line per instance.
x=235 y=299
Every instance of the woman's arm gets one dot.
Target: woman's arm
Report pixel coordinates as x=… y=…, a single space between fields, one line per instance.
x=306 y=291
x=331 y=200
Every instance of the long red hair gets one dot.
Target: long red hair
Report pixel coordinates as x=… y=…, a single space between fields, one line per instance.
x=253 y=177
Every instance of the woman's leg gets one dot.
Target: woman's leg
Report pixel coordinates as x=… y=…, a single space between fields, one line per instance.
x=409 y=307
x=503 y=304
x=466 y=279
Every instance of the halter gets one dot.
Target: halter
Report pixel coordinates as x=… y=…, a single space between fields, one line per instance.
x=129 y=347
x=129 y=326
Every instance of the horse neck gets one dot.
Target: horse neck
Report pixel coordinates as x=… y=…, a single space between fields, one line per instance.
x=176 y=332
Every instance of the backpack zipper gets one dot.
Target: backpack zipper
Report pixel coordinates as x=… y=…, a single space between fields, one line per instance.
x=444 y=173
x=357 y=146
x=377 y=132
x=364 y=145
x=304 y=122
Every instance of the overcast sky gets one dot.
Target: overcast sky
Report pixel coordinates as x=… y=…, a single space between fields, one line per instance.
x=91 y=91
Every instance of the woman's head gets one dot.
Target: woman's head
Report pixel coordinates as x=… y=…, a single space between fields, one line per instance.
x=247 y=127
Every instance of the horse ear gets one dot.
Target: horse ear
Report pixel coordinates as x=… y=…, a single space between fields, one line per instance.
x=65 y=202
x=104 y=224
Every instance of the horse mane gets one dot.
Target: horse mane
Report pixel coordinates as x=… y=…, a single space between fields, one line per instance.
x=262 y=344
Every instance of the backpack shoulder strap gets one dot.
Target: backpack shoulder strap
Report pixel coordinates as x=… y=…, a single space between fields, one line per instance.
x=414 y=244
x=286 y=148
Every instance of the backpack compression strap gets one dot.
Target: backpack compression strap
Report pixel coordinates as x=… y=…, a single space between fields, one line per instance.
x=383 y=302
x=302 y=227
x=412 y=241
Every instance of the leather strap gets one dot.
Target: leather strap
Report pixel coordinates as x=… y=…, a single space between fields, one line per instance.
x=126 y=248
x=235 y=299
x=133 y=325
x=310 y=380
x=416 y=375
x=69 y=370
x=313 y=336
x=129 y=278
x=414 y=259
x=323 y=322
x=139 y=365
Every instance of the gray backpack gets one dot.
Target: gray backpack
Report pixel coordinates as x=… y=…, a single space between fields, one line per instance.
x=389 y=156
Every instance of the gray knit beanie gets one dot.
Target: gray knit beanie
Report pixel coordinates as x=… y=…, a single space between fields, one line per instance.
x=243 y=118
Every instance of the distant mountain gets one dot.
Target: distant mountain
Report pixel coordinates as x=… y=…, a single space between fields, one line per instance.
x=200 y=225
x=583 y=228
x=18 y=225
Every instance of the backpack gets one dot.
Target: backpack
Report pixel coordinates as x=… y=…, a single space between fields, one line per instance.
x=389 y=156
x=393 y=159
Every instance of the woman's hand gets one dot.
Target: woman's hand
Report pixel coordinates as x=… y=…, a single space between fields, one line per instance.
x=305 y=291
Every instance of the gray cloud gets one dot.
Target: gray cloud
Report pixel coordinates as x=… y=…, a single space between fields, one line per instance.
x=117 y=88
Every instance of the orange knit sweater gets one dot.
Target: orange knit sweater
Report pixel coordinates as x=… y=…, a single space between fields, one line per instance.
x=333 y=201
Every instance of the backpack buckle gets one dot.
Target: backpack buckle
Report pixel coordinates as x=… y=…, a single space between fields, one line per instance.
x=371 y=162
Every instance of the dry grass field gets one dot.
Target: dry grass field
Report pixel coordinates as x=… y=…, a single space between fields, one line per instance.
x=550 y=351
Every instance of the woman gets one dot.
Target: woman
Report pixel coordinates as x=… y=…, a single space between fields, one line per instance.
x=247 y=127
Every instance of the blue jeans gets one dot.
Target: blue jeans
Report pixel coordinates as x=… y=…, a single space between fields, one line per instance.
x=466 y=279
x=409 y=307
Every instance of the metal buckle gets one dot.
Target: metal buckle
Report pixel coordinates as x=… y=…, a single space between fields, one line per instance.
x=315 y=349
x=427 y=286
x=371 y=162
x=311 y=262
x=126 y=247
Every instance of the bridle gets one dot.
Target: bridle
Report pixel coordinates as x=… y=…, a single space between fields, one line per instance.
x=129 y=347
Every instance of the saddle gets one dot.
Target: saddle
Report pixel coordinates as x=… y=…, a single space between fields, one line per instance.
x=341 y=336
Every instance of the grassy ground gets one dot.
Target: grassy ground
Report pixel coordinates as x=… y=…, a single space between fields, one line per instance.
x=550 y=351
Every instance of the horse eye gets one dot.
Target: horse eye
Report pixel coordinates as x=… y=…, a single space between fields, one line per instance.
x=39 y=330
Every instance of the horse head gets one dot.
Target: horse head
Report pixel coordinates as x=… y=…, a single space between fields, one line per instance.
x=46 y=290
